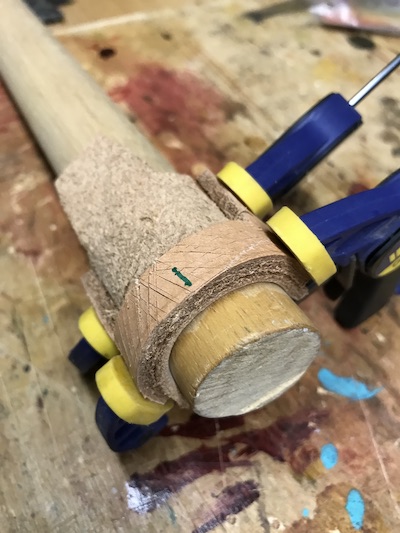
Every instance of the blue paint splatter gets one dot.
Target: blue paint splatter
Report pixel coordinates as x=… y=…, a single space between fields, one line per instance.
x=45 y=319
x=347 y=387
x=306 y=513
x=356 y=508
x=172 y=515
x=329 y=456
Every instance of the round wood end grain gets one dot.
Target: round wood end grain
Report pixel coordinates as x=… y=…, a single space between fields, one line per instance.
x=243 y=351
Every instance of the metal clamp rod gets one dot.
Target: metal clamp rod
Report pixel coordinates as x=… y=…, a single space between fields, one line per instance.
x=376 y=80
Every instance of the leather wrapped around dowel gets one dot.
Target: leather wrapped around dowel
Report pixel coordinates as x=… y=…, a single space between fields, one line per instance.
x=126 y=215
x=160 y=304
x=146 y=233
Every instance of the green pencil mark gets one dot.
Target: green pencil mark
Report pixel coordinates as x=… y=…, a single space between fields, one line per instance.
x=182 y=277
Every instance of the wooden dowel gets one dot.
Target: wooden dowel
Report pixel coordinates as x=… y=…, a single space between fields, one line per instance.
x=252 y=346
x=63 y=105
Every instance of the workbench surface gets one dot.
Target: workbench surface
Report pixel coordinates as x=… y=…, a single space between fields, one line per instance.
x=207 y=84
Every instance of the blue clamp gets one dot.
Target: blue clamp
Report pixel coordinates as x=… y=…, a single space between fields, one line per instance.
x=86 y=359
x=311 y=139
x=304 y=145
x=122 y=436
x=361 y=233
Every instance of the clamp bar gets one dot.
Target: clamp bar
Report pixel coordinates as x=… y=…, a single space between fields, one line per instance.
x=376 y=80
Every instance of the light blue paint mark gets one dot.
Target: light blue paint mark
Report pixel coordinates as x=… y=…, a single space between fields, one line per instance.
x=45 y=319
x=172 y=515
x=356 y=508
x=329 y=456
x=306 y=513
x=347 y=387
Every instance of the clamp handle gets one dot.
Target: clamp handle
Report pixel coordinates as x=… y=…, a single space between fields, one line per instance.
x=366 y=296
x=363 y=238
x=299 y=149
x=312 y=138
x=293 y=155
x=304 y=145
x=360 y=225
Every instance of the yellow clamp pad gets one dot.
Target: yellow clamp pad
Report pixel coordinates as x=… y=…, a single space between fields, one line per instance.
x=122 y=396
x=94 y=333
x=245 y=187
x=303 y=243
